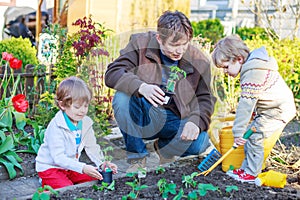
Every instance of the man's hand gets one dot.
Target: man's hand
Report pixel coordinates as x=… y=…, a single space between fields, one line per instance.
x=92 y=171
x=190 y=131
x=152 y=93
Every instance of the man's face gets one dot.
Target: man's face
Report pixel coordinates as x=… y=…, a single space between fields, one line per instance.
x=173 y=50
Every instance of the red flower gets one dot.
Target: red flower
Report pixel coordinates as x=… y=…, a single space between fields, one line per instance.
x=19 y=103
x=7 y=56
x=15 y=63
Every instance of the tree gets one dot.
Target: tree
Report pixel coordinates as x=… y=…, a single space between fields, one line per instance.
x=273 y=15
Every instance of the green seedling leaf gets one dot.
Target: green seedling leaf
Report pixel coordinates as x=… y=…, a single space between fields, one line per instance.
x=44 y=196
x=179 y=195
x=160 y=170
x=193 y=195
x=203 y=188
x=229 y=188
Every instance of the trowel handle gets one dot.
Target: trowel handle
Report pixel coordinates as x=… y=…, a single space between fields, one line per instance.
x=249 y=133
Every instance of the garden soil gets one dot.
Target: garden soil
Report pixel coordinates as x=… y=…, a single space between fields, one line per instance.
x=285 y=153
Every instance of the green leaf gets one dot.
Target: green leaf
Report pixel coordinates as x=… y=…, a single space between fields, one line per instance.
x=44 y=196
x=229 y=188
x=10 y=168
x=6 y=120
x=179 y=195
x=7 y=144
x=13 y=161
x=20 y=119
x=193 y=195
x=35 y=196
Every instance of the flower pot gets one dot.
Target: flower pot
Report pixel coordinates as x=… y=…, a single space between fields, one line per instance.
x=168 y=96
x=107 y=177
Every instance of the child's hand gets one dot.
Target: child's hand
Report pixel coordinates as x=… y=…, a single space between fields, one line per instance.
x=110 y=165
x=92 y=171
x=240 y=141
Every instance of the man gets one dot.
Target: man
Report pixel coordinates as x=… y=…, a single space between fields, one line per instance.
x=140 y=109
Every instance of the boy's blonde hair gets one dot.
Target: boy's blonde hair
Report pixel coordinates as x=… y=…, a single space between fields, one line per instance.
x=70 y=90
x=229 y=48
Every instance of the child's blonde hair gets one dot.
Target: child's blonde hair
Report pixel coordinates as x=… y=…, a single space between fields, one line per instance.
x=229 y=48
x=70 y=90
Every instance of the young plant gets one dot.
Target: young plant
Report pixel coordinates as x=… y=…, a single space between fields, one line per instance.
x=135 y=185
x=43 y=193
x=189 y=180
x=107 y=158
x=160 y=170
x=203 y=188
x=105 y=186
x=175 y=75
x=165 y=188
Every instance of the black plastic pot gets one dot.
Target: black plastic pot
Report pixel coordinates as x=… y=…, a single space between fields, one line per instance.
x=168 y=96
x=107 y=177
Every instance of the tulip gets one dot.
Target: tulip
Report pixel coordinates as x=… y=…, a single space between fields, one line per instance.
x=7 y=56
x=15 y=63
x=19 y=103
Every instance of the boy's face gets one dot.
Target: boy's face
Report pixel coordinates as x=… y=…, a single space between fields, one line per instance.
x=173 y=50
x=76 y=111
x=232 y=68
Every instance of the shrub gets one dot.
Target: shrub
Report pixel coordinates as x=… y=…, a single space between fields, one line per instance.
x=252 y=33
x=21 y=49
x=210 y=28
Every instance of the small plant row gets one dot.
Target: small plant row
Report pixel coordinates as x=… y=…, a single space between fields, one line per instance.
x=164 y=186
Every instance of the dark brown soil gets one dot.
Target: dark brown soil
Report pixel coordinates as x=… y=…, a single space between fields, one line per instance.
x=174 y=175
x=287 y=150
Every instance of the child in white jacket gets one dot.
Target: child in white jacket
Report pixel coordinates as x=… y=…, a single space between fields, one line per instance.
x=263 y=91
x=68 y=133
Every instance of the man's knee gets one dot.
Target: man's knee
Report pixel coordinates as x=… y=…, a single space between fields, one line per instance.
x=120 y=102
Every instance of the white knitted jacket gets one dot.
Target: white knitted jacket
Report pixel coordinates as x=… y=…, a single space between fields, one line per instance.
x=264 y=90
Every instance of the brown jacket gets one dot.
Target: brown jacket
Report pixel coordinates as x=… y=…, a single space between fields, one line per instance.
x=140 y=62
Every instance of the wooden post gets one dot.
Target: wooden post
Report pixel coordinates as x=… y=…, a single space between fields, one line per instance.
x=38 y=26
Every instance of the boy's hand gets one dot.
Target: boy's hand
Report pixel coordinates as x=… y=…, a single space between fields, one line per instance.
x=92 y=171
x=110 y=165
x=240 y=141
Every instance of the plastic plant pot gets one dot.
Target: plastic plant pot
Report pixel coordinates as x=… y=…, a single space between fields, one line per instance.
x=107 y=176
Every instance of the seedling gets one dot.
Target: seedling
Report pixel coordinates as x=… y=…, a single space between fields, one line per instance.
x=203 y=188
x=105 y=186
x=230 y=188
x=189 y=180
x=160 y=170
x=43 y=193
x=165 y=188
x=174 y=76
x=135 y=185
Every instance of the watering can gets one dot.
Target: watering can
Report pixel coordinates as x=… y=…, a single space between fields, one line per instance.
x=221 y=136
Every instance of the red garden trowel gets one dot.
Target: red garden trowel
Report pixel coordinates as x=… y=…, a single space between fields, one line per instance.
x=214 y=155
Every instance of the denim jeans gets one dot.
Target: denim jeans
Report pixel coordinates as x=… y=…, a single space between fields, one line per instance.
x=138 y=120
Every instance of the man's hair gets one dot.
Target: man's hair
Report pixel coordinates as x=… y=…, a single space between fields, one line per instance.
x=71 y=90
x=229 y=48
x=174 y=23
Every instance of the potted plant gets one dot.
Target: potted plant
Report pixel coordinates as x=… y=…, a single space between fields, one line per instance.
x=175 y=75
x=104 y=170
